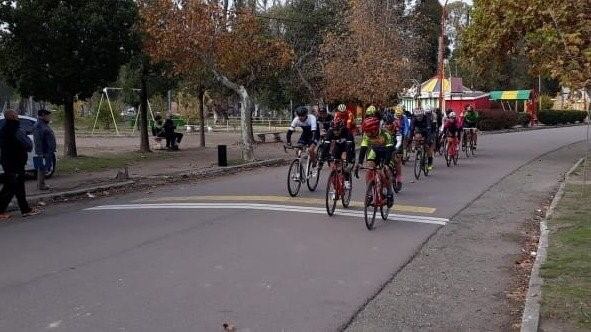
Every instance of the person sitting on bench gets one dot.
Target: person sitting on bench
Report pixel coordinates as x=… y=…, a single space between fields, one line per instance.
x=158 y=128
x=172 y=138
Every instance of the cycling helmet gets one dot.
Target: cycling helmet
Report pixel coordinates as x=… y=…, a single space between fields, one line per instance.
x=428 y=110
x=452 y=115
x=371 y=126
x=388 y=117
x=418 y=112
x=399 y=110
x=301 y=111
x=322 y=110
x=338 y=124
x=371 y=111
x=341 y=108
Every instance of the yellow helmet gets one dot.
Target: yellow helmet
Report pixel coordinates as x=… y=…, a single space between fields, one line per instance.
x=398 y=110
x=371 y=111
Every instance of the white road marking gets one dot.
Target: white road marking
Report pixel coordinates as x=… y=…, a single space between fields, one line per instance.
x=54 y=325
x=265 y=207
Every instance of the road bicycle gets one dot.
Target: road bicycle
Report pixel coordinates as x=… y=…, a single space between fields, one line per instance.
x=468 y=144
x=301 y=170
x=375 y=195
x=421 y=159
x=452 y=151
x=338 y=186
x=397 y=185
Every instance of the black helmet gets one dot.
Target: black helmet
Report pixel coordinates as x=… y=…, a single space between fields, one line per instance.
x=388 y=117
x=301 y=111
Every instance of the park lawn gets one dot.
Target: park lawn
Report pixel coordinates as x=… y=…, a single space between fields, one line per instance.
x=105 y=161
x=566 y=294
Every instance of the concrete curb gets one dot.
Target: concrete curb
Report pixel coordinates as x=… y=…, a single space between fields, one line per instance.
x=531 y=313
x=207 y=173
x=518 y=130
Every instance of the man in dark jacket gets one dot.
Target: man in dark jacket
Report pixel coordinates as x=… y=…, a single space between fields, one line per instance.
x=45 y=147
x=172 y=138
x=14 y=148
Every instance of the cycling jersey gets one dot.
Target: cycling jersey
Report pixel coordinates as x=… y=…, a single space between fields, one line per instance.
x=452 y=127
x=426 y=127
x=344 y=142
x=379 y=148
x=324 y=123
x=309 y=130
x=470 y=119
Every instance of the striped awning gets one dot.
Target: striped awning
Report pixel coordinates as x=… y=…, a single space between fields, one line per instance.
x=510 y=95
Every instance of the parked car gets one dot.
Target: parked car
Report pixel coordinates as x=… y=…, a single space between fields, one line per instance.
x=129 y=112
x=27 y=124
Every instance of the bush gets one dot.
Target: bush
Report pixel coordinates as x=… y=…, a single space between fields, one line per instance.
x=546 y=102
x=523 y=119
x=496 y=119
x=553 y=118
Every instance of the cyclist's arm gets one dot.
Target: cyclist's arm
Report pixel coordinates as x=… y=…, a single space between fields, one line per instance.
x=363 y=149
x=290 y=130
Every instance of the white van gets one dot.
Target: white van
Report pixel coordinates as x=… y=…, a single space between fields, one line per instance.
x=27 y=124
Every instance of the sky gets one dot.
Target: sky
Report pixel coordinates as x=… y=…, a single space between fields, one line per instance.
x=466 y=1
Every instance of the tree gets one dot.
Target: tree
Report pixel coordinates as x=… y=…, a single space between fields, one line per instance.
x=426 y=30
x=554 y=36
x=199 y=38
x=368 y=62
x=57 y=50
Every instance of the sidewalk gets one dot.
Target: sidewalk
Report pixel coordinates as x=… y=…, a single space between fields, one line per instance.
x=158 y=164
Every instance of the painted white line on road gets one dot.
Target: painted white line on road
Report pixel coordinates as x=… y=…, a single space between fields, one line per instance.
x=264 y=207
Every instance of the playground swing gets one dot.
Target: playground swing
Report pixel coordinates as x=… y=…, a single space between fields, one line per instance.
x=105 y=95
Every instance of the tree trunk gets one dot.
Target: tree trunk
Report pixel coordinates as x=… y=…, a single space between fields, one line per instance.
x=201 y=105
x=144 y=137
x=69 y=128
x=245 y=115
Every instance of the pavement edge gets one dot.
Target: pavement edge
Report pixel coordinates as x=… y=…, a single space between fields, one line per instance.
x=531 y=313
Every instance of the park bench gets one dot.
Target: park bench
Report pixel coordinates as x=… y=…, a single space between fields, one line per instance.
x=276 y=135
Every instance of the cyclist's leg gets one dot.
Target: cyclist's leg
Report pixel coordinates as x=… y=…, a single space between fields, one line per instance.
x=475 y=136
x=430 y=150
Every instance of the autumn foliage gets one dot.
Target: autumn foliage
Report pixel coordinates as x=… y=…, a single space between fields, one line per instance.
x=365 y=63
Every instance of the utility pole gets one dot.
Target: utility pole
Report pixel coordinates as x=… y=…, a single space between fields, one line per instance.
x=441 y=65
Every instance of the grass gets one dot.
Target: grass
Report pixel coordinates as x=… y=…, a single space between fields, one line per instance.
x=102 y=162
x=567 y=270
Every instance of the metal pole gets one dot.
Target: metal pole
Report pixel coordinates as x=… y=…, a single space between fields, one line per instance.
x=112 y=114
x=98 y=111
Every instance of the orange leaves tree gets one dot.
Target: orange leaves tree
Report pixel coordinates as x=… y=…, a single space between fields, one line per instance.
x=366 y=63
x=202 y=40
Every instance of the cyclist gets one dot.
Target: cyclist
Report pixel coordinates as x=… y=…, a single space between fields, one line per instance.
x=348 y=118
x=411 y=129
x=424 y=128
x=470 y=121
x=452 y=128
x=341 y=140
x=376 y=144
x=393 y=126
x=370 y=112
x=324 y=120
x=310 y=132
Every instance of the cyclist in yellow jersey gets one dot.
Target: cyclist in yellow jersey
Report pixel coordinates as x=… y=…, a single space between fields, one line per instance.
x=377 y=146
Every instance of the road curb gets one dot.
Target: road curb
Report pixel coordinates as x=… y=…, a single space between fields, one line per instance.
x=518 y=130
x=139 y=181
x=531 y=313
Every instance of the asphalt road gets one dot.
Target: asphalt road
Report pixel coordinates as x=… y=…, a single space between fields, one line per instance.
x=180 y=259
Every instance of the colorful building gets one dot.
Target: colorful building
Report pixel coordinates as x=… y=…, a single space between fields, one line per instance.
x=456 y=95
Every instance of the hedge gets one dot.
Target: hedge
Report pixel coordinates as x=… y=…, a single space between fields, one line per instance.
x=523 y=119
x=496 y=119
x=552 y=118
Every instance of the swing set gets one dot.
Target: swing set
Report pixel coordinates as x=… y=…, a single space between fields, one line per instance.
x=105 y=96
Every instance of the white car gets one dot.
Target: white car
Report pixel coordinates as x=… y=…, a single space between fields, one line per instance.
x=27 y=124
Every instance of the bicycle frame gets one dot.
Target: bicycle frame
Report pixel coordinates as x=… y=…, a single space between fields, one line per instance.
x=376 y=174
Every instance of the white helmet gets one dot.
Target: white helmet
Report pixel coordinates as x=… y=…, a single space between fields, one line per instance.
x=428 y=110
x=342 y=108
x=418 y=112
x=452 y=115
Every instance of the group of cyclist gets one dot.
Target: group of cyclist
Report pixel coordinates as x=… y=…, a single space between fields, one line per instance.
x=386 y=133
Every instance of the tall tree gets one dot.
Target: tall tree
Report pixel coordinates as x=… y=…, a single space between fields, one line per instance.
x=198 y=37
x=426 y=31
x=57 y=50
x=367 y=62
x=554 y=35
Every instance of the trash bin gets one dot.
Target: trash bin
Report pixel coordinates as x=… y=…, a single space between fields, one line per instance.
x=222 y=155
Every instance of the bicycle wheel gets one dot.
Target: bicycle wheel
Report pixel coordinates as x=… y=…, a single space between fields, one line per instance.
x=346 y=198
x=331 y=193
x=369 y=210
x=294 y=181
x=456 y=155
x=418 y=161
x=312 y=181
x=472 y=147
x=468 y=146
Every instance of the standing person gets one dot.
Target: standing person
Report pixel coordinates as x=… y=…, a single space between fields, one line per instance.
x=14 y=148
x=45 y=146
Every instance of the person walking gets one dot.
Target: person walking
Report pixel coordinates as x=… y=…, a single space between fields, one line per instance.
x=14 y=148
x=45 y=147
